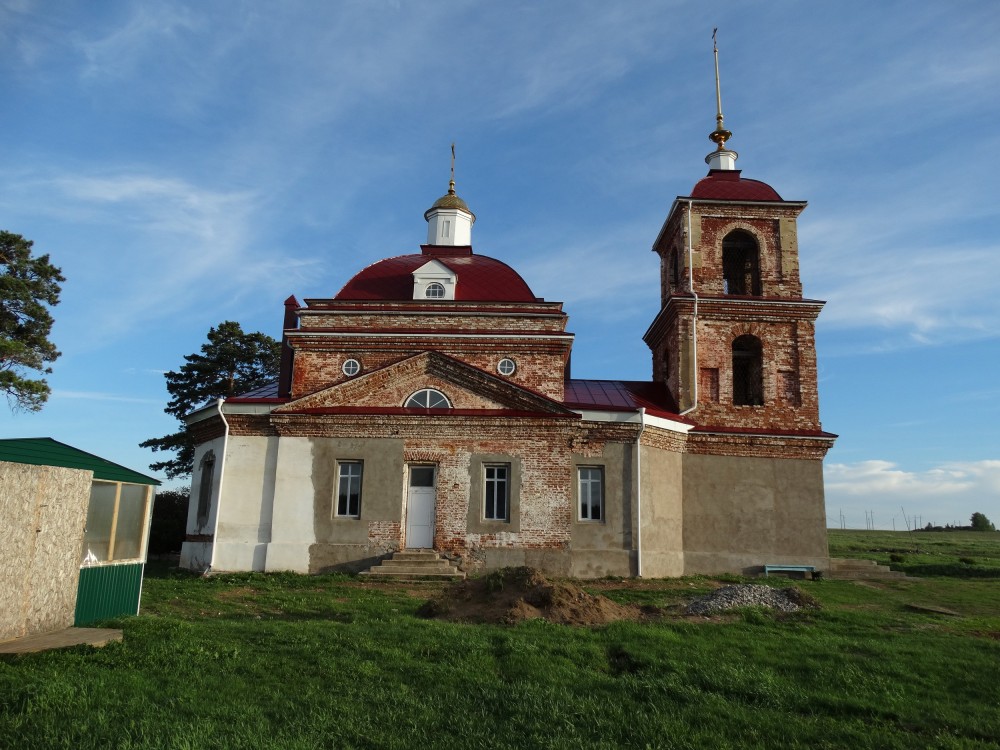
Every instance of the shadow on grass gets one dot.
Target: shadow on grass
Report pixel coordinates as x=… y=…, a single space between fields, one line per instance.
x=948 y=570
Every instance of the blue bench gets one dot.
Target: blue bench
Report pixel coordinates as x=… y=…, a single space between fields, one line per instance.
x=807 y=571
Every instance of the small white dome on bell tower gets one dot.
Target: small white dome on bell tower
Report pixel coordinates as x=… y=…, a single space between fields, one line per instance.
x=449 y=220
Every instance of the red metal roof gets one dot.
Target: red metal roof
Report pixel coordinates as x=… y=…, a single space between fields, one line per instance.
x=727 y=185
x=620 y=395
x=480 y=279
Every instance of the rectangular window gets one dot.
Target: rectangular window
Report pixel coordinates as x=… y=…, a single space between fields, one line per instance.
x=116 y=522
x=495 y=505
x=790 y=392
x=591 y=493
x=709 y=384
x=349 y=488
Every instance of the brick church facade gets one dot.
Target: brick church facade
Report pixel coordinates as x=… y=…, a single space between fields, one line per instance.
x=429 y=404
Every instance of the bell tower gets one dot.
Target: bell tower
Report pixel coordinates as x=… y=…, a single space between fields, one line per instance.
x=734 y=339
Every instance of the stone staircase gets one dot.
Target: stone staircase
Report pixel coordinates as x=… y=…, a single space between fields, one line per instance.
x=842 y=567
x=415 y=565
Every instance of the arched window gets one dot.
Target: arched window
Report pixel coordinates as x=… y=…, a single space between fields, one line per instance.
x=740 y=264
x=207 y=467
x=748 y=375
x=434 y=291
x=427 y=398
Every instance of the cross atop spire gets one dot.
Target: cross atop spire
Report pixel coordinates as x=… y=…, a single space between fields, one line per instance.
x=721 y=158
x=449 y=219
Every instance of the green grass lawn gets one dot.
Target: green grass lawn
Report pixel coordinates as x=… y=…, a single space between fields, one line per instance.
x=963 y=554
x=288 y=661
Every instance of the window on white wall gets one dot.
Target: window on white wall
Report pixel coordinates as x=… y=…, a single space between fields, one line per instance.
x=496 y=505
x=591 y=480
x=349 y=488
x=207 y=468
x=434 y=291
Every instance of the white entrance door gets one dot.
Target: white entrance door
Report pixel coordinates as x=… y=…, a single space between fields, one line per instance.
x=420 y=501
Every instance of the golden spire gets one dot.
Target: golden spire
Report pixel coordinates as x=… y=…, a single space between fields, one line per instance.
x=720 y=135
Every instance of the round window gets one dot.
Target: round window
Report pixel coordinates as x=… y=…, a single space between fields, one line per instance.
x=351 y=367
x=434 y=291
x=506 y=366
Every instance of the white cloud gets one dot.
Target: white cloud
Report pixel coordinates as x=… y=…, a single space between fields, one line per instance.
x=114 y=54
x=151 y=246
x=946 y=493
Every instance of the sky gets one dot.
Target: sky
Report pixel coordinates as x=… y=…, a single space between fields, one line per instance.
x=187 y=163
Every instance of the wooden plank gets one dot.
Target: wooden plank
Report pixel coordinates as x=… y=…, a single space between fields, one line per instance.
x=64 y=638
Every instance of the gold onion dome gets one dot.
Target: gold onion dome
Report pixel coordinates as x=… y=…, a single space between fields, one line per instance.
x=451 y=200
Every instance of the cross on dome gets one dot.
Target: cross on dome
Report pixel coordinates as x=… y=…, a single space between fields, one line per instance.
x=449 y=220
x=722 y=157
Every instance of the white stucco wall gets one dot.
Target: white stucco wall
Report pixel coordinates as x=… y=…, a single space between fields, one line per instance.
x=292 y=526
x=198 y=555
x=245 y=511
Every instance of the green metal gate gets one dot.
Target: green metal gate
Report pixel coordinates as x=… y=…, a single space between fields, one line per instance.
x=107 y=591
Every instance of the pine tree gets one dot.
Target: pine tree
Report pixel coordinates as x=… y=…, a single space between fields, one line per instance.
x=231 y=362
x=28 y=286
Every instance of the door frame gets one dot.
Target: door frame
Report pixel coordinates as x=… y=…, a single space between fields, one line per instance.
x=433 y=510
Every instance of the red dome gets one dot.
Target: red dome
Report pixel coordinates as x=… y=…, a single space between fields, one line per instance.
x=727 y=185
x=480 y=279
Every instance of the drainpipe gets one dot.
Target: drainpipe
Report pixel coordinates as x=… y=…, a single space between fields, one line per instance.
x=694 y=319
x=638 y=491
x=222 y=476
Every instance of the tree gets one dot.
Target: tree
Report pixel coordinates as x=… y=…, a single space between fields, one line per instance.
x=27 y=285
x=169 y=523
x=981 y=523
x=231 y=362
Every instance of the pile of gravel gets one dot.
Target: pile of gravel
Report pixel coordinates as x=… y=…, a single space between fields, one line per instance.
x=751 y=595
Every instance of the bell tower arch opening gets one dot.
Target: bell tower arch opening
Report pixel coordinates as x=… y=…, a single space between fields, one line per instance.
x=740 y=264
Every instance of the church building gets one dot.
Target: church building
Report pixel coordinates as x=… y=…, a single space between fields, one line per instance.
x=429 y=405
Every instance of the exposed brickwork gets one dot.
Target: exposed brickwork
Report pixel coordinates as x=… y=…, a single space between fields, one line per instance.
x=762 y=446
x=464 y=386
x=779 y=318
x=384 y=537
x=207 y=429
x=521 y=419
x=655 y=437
x=533 y=335
x=250 y=424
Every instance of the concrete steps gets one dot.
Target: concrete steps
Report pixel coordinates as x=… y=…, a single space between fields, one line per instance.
x=415 y=565
x=842 y=567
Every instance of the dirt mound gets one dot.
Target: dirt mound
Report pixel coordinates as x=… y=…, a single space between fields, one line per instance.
x=510 y=595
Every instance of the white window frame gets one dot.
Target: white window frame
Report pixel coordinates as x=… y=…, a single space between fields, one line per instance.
x=427 y=396
x=507 y=367
x=496 y=484
x=438 y=289
x=351 y=367
x=349 y=473
x=587 y=478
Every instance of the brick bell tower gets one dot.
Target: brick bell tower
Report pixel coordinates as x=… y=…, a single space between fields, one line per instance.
x=734 y=338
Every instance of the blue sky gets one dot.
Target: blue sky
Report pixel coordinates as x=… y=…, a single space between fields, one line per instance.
x=187 y=163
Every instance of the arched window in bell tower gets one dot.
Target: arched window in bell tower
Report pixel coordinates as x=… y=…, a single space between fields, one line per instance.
x=674 y=269
x=740 y=264
x=748 y=371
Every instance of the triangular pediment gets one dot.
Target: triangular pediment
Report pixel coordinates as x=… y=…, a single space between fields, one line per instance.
x=467 y=388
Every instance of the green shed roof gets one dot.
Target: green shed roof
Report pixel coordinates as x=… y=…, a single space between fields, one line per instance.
x=49 y=452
